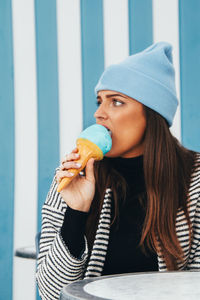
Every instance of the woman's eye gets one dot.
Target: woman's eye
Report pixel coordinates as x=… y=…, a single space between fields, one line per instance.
x=114 y=102
x=117 y=102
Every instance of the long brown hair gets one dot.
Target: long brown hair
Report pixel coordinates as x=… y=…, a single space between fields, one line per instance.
x=167 y=171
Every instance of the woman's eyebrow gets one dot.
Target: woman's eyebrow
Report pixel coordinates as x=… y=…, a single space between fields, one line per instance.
x=112 y=95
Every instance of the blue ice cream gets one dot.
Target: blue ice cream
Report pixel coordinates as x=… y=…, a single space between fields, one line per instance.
x=98 y=135
x=94 y=142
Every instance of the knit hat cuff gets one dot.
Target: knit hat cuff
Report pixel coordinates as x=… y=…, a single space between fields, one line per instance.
x=140 y=87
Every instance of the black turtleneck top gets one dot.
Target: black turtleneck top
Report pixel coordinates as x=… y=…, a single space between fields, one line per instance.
x=124 y=254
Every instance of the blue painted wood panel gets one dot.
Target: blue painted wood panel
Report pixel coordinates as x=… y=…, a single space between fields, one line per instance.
x=7 y=148
x=140 y=25
x=92 y=43
x=189 y=31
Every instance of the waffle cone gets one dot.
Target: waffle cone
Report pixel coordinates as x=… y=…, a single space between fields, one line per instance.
x=87 y=150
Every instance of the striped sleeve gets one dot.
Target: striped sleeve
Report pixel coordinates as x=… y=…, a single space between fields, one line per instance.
x=194 y=257
x=194 y=261
x=56 y=266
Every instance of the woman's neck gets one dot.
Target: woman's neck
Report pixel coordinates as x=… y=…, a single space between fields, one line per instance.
x=131 y=169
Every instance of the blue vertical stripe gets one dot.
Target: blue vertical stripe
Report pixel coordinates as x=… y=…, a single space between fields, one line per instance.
x=6 y=150
x=47 y=92
x=189 y=30
x=140 y=25
x=92 y=42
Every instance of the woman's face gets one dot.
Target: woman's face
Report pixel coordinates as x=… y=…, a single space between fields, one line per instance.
x=125 y=117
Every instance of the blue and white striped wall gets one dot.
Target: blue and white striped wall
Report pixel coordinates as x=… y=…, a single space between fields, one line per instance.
x=51 y=56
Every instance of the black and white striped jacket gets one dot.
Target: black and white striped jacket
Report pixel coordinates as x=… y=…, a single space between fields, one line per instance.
x=57 y=267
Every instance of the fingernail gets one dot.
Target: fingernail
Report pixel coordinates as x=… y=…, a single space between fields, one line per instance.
x=70 y=174
x=77 y=155
x=78 y=165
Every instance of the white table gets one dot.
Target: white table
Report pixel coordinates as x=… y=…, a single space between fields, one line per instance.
x=183 y=285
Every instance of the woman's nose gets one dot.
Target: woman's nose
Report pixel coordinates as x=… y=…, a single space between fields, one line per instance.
x=100 y=113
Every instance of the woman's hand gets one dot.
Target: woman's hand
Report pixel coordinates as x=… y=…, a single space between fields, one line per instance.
x=79 y=193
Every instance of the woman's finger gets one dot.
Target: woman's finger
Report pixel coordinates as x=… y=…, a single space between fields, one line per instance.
x=70 y=165
x=75 y=150
x=62 y=174
x=89 y=170
x=71 y=156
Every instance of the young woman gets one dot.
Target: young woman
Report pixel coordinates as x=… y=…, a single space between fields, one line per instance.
x=139 y=208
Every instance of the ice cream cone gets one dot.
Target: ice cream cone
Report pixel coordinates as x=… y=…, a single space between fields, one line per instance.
x=87 y=150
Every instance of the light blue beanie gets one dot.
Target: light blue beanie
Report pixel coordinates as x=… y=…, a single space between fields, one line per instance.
x=147 y=77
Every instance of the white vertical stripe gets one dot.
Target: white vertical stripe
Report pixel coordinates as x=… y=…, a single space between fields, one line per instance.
x=116 y=33
x=166 y=28
x=25 y=144
x=69 y=68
